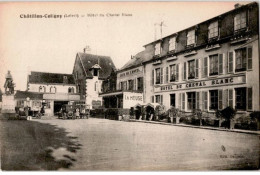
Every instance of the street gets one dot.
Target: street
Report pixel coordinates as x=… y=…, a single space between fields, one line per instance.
x=101 y=144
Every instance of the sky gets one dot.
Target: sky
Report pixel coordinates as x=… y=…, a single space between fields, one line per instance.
x=51 y=44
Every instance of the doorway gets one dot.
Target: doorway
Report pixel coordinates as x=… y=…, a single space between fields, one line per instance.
x=172 y=103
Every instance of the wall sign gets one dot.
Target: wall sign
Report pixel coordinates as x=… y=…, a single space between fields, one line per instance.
x=130 y=72
x=201 y=84
x=130 y=99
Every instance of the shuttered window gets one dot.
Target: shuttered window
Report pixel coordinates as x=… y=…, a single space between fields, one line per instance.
x=179 y=100
x=177 y=72
x=152 y=78
x=205 y=67
x=205 y=100
x=249 y=58
x=250 y=98
x=220 y=99
x=230 y=62
x=196 y=68
x=213 y=65
x=161 y=79
x=213 y=99
x=152 y=99
x=220 y=63
x=184 y=71
x=158 y=76
x=183 y=101
x=230 y=98
x=197 y=100
x=166 y=75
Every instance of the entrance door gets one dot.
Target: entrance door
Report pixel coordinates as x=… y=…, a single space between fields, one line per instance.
x=172 y=100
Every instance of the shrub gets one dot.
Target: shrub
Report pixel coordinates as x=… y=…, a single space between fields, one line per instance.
x=245 y=122
x=228 y=113
x=255 y=115
x=210 y=122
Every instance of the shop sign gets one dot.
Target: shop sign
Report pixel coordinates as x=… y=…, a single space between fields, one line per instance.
x=131 y=99
x=131 y=72
x=200 y=84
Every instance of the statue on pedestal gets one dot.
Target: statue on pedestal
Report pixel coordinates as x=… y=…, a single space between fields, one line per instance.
x=9 y=85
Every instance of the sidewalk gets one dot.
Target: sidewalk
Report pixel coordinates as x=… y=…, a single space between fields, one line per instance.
x=199 y=127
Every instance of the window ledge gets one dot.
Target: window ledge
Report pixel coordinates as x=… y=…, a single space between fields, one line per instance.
x=212 y=47
x=190 y=53
x=172 y=58
x=157 y=62
x=237 y=40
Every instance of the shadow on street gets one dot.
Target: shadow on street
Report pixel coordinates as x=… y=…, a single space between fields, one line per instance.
x=30 y=145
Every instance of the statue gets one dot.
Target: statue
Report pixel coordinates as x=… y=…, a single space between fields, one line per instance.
x=9 y=85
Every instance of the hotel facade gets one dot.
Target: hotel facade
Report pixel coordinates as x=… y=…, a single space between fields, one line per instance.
x=208 y=66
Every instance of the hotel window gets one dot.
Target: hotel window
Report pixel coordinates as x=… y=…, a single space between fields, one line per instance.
x=140 y=83
x=191 y=69
x=71 y=90
x=240 y=98
x=158 y=76
x=130 y=84
x=174 y=72
x=95 y=72
x=159 y=99
x=243 y=59
x=240 y=21
x=42 y=89
x=124 y=85
x=191 y=37
x=213 y=30
x=52 y=89
x=172 y=44
x=191 y=100
x=216 y=64
x=157 y=49
x=213 y=99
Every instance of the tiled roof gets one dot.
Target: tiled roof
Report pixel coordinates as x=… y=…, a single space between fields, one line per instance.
x=137 y=60
x=50 y=78
x=31 y=95
x=105 y=62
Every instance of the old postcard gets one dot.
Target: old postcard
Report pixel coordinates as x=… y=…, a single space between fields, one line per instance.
x=129 y=86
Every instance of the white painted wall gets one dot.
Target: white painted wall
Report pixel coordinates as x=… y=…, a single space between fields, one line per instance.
x=60 y=88
x=93 y=88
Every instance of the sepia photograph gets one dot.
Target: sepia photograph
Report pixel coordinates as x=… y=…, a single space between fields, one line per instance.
x=129 y=86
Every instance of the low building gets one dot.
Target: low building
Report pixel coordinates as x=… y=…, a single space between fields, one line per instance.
x=89 y=73
x=57 y=89
x=125 y=88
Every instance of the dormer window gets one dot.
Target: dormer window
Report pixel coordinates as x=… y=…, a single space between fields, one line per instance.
x=95 y=72
x=172 y=43
x=213 y=30
x=240 y=21
x=191 y=37
x=65 y=79
x=157 y=49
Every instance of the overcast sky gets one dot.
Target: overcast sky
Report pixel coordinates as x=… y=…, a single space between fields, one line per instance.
x=50 y=45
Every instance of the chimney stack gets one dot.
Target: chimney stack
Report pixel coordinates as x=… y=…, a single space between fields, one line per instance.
x=87 y=49
x=237 y=5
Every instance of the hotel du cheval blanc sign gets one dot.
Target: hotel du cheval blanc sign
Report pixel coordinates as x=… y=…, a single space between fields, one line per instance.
x=203 y=83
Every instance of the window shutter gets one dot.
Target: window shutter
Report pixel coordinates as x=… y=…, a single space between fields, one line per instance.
x=177 y=72
x=250 y=98
x=152 y=99
x=249 y=58
x=196 y=68
x=161 y=99
x=179 y=101
x=206 y=101
x=135 y=84
x=230 y=98
x=230 y=62
x=167 y=75
x=220 y=63
x=220 y=99
x=183 y=101
x=184 y=71
x=197 y=100
x=205 y=67
x=225 y=98
x=152 y=78
x=161 y=80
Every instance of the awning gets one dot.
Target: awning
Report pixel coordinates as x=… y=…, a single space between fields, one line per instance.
x=153 y=105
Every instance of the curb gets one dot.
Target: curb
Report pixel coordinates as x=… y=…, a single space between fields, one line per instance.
x=199 y=127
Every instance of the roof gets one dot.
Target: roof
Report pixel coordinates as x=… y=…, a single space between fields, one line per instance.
x=137 y=60
x=105 y=62
x=50 y=78
x=230 y=11
x=31 y=95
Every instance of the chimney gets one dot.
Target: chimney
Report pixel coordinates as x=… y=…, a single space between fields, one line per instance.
x=87 y=49
x=237 y=5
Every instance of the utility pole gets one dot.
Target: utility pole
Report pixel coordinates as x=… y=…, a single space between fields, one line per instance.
x=161 y=24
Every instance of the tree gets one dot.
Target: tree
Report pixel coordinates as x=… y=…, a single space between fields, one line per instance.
x=228 y=114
